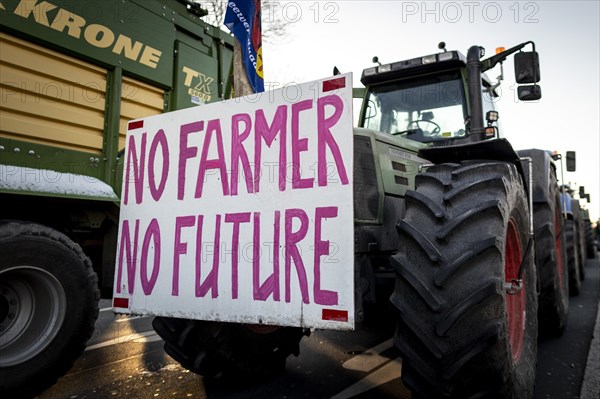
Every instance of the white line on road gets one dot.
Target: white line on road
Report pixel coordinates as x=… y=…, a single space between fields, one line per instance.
x=387 y=373
x=143 y=337
x=106 y=309
x=370 y=359
x=590 y=388
x=124 y=319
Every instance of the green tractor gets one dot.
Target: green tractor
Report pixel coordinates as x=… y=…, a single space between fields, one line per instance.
x=574 y=238
x=588 y=231
x=473 y=216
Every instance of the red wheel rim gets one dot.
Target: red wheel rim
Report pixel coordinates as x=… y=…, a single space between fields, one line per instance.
x=559 y=263
x=515 y=304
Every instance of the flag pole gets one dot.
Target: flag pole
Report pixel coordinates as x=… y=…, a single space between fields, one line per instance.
x=243 y=18
x=241 y=85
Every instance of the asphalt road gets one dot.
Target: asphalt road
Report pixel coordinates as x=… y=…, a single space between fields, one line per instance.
x=125 y=360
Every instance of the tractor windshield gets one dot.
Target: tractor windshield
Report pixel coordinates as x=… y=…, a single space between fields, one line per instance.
x=428 y=109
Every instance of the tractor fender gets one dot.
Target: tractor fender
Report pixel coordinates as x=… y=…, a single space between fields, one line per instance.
x=542 y=162
x=495 y=150
x=566 y=205
x=499 y=150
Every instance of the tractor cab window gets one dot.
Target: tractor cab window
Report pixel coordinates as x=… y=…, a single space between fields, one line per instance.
x=428 y=109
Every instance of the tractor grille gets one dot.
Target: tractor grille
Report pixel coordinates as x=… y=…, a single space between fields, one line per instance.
x=366 y=198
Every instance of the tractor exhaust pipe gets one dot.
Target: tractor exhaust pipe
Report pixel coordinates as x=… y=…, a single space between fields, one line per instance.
x=476 y=128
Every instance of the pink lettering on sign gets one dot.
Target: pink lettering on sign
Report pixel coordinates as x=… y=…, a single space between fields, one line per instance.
x=236 y=219
x=139 y=165
x=180 y=248
x=271 y=284
x=269 y=136
x=299 y=145
x=198 y=259
x=326 y=138
x=214 y=127
x=238 y=152
x=129 y=253
x=185 y=153
x=152 y=233
x=292 y=254
x=223 y=181
x=296 y=225
x=159 y=139
x=322 y=297
x=211 y=281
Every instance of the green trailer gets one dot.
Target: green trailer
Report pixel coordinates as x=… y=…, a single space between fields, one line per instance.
x=72 y=74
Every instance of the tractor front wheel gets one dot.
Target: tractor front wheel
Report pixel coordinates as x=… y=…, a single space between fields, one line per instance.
x=551 y=261
x=467 y=322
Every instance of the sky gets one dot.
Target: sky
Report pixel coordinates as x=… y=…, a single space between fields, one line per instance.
x=347 y=34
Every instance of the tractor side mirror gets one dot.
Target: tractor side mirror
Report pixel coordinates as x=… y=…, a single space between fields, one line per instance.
x=571 y=161
x=581 y=191
x=529 y=92
x=527 y=70
x=527 y=67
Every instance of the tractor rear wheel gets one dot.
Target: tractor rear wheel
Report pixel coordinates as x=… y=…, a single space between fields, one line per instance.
x=464 y=241
x=550 y=259
x=222 y=350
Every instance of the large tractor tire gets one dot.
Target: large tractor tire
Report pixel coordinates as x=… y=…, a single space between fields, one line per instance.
x=464 y=237
x=551 y=261
x=48 y=306
x=225 y=350
x=590 y=242
x=572 y=249
x=577 y=216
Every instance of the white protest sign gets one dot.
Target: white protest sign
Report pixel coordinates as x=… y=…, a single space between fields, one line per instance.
x=242 y=211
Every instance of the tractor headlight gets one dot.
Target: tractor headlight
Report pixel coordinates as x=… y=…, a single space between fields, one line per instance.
x=370 y=71
x=385 y=68
x=429 y=59
x=447 y=56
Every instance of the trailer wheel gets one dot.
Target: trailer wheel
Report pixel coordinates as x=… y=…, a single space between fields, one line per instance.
x=551 y=262
x=222 y=350
x=48 y=306
x=464 y=236
x=572 y=247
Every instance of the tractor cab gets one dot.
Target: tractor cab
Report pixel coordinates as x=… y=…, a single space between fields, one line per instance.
x=430 y=99
x=426 y=109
